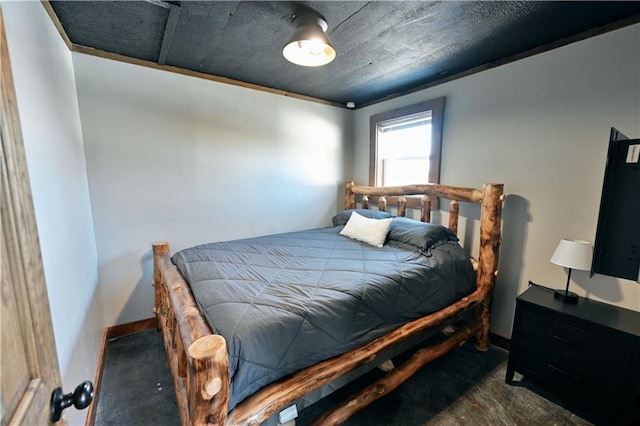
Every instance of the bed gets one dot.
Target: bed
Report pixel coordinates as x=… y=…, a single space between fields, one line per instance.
x=305 y=312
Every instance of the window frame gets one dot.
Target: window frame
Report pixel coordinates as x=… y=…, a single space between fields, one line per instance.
x=436 y=106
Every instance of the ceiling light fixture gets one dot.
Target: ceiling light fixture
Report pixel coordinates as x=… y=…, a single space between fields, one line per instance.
x=309 y=46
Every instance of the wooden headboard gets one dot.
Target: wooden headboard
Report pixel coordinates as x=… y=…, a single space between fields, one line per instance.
x=491 y=196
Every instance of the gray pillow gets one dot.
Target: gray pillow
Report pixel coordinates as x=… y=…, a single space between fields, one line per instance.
x=418 y=234
x=343 y=217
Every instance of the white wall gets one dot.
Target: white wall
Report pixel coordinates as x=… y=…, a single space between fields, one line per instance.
x=48 y=108
x=186 y=160
x=541 y=127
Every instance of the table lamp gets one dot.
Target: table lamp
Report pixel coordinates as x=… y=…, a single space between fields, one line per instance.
x=572 y=254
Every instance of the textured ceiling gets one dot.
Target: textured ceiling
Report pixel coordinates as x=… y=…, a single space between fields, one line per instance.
x=384 y=48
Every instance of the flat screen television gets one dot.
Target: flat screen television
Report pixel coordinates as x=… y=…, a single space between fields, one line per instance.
x=616 y=250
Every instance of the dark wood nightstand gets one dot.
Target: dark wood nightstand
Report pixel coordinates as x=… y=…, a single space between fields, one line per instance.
x=587 y=353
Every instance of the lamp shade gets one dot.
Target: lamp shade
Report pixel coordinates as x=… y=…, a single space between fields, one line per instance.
x=309 y=46
x=574 y=254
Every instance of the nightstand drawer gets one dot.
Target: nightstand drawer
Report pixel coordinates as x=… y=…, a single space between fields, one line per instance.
x=575 y=357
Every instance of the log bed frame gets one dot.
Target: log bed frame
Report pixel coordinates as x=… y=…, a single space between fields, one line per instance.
x=198 y=358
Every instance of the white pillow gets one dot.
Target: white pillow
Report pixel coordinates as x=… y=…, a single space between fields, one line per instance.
x=370 y=231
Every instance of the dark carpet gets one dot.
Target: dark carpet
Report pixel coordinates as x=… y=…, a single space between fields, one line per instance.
x=464 y=387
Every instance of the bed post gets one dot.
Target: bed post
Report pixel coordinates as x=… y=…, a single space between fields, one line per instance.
x=349 y=196
x=209 y=376
x=159 y=250
x=490 y=221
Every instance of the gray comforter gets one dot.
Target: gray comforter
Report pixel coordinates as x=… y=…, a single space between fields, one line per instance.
x=287 y=301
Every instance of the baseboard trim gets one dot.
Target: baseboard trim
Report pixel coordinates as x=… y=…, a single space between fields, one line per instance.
x=91 y=410
x=501 y=342
x=110 y=333
x=131 y=327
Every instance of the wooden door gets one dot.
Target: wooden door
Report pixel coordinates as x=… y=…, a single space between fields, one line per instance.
x=28 y=361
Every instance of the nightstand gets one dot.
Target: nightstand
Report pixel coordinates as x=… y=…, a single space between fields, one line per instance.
x=587 y=353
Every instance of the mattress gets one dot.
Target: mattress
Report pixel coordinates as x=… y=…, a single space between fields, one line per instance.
x=287 y=301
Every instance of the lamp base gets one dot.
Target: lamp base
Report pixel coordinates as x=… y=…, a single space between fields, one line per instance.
x=565 y=296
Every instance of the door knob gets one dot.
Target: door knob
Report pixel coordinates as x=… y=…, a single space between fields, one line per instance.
x=80 y=398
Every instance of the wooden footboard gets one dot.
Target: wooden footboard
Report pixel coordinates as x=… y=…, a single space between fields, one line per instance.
x=198 y=358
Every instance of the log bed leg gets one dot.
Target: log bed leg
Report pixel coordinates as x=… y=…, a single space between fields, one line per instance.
x=395 y=378
x=208 y=381
x=483 y=313
x=490 y=222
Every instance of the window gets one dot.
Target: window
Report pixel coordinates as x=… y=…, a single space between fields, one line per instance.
x=406 y=145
